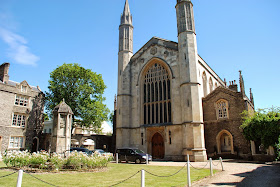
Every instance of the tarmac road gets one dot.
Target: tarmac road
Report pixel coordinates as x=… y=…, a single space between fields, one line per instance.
x=266 y=176
x=237 y=173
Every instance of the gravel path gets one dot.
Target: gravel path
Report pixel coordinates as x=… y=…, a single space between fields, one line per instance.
x=240 y=174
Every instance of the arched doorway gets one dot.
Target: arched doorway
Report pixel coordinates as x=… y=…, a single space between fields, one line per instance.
x=225 y=142
x=157 y=146
x=35 y=144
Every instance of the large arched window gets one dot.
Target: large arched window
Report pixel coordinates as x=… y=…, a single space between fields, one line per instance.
x=156 y=95
x=210 y=84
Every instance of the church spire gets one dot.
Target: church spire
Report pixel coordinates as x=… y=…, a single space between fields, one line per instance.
x=126 y=17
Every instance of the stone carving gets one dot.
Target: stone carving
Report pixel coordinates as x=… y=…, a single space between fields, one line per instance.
x=166 y=53
x=153 y=50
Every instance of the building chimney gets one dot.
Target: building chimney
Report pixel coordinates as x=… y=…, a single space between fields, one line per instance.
x=4 y=72
x=233 y=86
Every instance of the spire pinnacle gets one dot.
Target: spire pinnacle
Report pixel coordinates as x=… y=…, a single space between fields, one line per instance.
x=126 y=9
x=126 y=17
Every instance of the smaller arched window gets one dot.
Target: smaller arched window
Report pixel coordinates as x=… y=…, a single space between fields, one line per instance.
x=210 y=84
x=222 y=109
x=204 y=83
x=216 y=85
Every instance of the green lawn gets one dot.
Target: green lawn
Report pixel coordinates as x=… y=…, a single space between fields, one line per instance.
x=114 y=174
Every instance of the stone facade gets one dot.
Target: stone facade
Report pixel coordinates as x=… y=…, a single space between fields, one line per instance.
x=21 y=113
x=160 y=91
x=222 y=131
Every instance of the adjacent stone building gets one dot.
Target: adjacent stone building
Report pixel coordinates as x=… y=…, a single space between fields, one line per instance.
x=160 y=106
x=21 y=113
x=222 y=110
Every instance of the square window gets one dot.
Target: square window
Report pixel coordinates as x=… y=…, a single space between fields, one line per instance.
x=16 y=142
x=21 y=100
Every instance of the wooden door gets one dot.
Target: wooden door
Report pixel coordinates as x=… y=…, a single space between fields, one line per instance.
x=157 y=146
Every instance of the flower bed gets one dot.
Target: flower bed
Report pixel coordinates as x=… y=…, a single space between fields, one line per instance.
x=45 y=161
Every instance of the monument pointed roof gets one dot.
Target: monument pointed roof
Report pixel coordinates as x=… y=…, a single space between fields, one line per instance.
x=62 y=107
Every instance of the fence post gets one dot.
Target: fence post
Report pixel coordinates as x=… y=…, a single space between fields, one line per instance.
x=188 y=171
x=19 y=179
x=211 y=167
x=142 y=178
x=222 y=164
x=147 y=159
x=117 y=158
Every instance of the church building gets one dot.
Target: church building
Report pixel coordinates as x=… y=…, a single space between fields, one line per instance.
x=167 y=95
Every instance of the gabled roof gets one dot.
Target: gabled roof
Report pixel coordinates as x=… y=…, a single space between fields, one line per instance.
x=155 y=41
x=224 y=90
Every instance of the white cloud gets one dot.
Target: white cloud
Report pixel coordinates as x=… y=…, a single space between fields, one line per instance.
x=18 y=49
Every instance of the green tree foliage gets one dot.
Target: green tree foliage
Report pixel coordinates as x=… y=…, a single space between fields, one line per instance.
x=82 y=90
x=46 y=117
x=262 y=125
x=111 y=117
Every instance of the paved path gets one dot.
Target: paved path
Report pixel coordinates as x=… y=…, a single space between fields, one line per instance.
x=240 y=174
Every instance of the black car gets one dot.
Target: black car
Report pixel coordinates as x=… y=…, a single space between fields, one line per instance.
x=132 y=155
x=81 y=149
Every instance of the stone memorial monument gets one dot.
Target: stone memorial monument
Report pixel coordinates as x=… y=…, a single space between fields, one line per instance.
x=62 y=123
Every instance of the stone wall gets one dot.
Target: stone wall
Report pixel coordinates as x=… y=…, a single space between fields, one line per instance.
x=213 y=126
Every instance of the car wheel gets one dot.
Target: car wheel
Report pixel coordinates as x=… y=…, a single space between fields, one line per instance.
x=137 y=161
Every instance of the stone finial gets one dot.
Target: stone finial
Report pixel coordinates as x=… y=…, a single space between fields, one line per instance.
x=252 y=97
x=241 y=82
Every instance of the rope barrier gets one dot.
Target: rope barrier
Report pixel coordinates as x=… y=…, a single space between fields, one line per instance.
x=199 y=168
x=40 y=179
x=126 y=179
x=217 y=163
x=167 y=175
x=8 y=174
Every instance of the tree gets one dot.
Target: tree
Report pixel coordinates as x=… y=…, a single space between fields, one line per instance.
x=82 y=90
x=46 y=117
x=262 y=125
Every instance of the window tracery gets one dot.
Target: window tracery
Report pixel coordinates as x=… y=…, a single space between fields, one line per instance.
x=157 y=95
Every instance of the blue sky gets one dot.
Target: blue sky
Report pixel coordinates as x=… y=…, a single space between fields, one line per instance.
x=38 y=36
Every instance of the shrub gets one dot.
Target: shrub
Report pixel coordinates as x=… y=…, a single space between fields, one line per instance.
x=56 y=161
x=42 y=160
x=277 y=145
